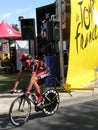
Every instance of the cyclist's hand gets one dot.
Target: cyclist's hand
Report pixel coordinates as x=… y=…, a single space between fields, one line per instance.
x=13 y=91
x=27 y=92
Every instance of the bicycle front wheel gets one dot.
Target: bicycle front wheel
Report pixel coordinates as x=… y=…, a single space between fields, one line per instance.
x=20 y=110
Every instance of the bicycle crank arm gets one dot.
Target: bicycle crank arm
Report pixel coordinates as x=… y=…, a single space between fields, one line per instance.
x=46 y=105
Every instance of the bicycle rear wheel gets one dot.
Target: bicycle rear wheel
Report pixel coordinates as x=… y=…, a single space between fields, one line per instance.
x=51 y=102
x=20 y=110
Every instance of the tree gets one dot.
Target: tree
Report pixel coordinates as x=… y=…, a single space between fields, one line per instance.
x=15 y=26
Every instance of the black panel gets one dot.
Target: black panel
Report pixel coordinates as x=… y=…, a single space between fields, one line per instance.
x=28 y=29
x=41 y=13
x=52 y=31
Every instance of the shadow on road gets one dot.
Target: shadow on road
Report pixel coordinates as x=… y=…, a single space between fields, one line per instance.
x=5 y=123
x=83 y=116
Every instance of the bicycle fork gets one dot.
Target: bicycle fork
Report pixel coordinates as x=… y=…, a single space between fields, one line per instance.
x=21 y=104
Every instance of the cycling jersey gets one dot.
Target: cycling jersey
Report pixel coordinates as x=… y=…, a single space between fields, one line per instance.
x=39 y=68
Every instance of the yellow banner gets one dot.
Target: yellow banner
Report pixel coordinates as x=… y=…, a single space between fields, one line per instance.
x=83 y=53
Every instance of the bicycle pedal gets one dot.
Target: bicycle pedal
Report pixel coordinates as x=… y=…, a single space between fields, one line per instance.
x=40 y=106
x=37 y=109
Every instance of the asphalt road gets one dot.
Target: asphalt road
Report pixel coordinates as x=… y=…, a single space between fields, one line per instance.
x=76 y=116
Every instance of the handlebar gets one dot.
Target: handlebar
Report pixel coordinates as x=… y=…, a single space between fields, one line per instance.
x=16 y=91
x=20 y=90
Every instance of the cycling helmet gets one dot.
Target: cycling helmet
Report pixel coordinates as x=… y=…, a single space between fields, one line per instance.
x=24 y=56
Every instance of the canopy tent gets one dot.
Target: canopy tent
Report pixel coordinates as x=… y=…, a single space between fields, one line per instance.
x=7 y=31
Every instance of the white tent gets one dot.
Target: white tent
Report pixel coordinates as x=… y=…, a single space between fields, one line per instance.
x=21 y=45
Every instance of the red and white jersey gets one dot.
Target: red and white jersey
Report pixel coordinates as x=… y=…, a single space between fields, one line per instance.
x=37 y=66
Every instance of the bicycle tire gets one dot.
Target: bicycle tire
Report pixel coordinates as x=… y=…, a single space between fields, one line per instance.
x=51 y=102
x=20 y=110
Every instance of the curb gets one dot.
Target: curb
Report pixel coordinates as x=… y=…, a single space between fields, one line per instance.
x=76 y=100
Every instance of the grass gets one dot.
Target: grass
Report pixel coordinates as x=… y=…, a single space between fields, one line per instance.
x=7 y=81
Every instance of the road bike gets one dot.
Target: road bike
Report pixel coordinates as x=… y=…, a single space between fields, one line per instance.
x=21 y=107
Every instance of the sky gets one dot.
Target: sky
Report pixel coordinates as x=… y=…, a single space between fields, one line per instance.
x=10 y=10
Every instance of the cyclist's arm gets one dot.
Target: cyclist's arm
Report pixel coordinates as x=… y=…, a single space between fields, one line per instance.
x=18 y=78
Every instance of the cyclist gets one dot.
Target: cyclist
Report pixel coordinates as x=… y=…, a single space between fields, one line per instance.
x=39 y=71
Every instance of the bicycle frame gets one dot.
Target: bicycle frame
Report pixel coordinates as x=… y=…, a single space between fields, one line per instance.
x=20 y=109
